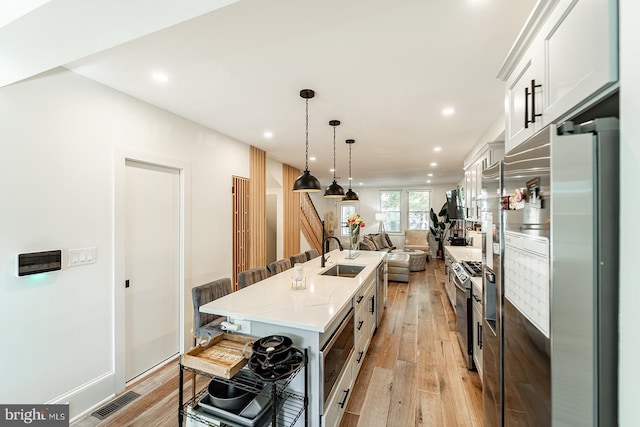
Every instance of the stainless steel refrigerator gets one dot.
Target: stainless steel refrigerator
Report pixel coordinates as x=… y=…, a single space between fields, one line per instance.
x=560 y=277
x=491 y=217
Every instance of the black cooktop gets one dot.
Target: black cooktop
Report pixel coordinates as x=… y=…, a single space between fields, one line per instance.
x=474 y=268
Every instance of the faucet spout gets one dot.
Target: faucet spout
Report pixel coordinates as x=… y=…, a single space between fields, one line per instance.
x=325 y=243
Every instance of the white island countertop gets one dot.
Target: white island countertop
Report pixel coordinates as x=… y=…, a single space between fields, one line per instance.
x=274 y=300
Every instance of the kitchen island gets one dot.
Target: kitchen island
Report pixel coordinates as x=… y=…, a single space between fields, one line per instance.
x=311 y=316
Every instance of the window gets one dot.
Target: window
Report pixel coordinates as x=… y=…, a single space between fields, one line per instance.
x=419 y=205
x=390 y=210
x=346 y=209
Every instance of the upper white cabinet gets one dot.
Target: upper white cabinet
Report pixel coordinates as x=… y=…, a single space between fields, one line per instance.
x=566 y=56
x=473 y=167
x=523 y=96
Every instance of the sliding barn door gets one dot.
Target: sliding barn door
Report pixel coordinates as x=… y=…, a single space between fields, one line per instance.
x=241 y=231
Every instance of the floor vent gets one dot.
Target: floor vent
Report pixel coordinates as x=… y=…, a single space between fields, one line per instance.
x=115 y=405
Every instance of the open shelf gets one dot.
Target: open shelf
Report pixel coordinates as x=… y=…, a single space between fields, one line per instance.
x=290 y=405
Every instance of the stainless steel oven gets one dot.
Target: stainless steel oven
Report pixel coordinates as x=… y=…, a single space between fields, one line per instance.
x=464 y=312
x=336 y=354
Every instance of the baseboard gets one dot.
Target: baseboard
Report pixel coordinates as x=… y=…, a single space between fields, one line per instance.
x=88 y=396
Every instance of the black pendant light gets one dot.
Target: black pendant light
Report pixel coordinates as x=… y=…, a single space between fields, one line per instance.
x=307 y=183
x=351 y=195
x=334 y=191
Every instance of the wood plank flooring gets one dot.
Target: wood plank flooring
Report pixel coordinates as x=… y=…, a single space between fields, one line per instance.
x=413 y=375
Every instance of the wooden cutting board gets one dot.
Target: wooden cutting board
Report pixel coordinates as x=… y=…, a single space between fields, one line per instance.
x=221 y=357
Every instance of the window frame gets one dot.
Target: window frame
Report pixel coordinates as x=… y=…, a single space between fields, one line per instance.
x=386 y=222
x=426 y=213
x=344 y=229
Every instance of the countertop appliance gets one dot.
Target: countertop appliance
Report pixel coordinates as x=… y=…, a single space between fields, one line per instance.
x=560 y=342
x=491 y=217
x=464 y=312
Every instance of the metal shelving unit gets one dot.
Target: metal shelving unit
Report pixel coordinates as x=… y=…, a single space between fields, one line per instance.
x=289 y=405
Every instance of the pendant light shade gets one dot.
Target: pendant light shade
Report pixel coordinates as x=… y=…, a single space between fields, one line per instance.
x=334 y=191
x=351 y=195
x=306 y=182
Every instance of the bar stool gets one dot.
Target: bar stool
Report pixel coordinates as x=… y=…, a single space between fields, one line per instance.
x=251 y=276
x=205 y=324
x=311 y=254
x=301 y=257
x=279 y=266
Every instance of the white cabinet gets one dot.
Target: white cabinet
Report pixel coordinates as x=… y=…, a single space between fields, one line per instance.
x=486 y=156
x=523 y=97
x=580 y=53
x=566 y=56
x=338 y=402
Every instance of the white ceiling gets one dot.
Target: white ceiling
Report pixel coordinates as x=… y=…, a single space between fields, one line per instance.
x=385 y=69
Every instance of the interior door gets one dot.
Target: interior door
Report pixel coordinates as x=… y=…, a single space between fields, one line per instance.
x=152 y=266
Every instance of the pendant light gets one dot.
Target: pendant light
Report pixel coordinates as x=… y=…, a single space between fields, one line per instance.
x=306 y=183
x=351 y=195
x=334 y=191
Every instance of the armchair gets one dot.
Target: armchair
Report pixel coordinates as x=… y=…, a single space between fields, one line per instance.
x=417 y=239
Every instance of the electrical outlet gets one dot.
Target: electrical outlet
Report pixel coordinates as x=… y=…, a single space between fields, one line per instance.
x=245 y=326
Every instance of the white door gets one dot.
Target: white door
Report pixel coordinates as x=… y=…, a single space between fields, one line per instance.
x=152 y=266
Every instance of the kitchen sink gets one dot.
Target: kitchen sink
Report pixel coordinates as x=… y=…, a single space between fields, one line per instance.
x=343 y=270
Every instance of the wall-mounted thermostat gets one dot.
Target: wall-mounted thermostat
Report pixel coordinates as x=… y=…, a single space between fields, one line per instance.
x=38 y=262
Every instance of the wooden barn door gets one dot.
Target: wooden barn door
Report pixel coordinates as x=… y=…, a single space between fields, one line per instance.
x=241 y=253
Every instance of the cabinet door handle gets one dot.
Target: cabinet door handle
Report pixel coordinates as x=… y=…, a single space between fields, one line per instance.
x=360 y=323
x=526 y=108
x=359 y=299
x=480 y=336
x=360 y=354
x=373 y=305
x=344 y=399
x=476 y=298
x=533 y=101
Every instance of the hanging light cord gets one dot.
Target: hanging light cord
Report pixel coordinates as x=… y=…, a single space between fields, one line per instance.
x=306 y=124
x=349 y=166
x=334 y=153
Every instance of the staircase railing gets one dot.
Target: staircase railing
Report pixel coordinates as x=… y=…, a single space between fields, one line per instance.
x=310 y=222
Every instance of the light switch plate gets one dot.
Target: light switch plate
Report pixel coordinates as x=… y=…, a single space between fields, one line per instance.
x=82 y=256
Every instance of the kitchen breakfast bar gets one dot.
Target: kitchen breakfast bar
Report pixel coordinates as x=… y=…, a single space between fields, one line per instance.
x=332 y=315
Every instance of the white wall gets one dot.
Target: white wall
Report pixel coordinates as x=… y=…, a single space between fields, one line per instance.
x=629 y=369
x=57 y=135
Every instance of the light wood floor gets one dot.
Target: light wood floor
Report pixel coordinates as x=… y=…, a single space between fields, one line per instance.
x=413 y=374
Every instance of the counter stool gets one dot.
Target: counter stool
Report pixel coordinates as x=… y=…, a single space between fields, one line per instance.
x=301 y=257
x=279 y=266
x=251 y=276
x=311 y=254
x=205 y=324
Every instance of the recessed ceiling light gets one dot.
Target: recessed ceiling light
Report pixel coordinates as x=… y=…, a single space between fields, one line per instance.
x=160 y=77
x=313 y=159
x=332 y=170
x=434 y=164
x=448 y=111
x=437 y=149
x=428 y=181
x=361 y=183
x=429 y=174
x=268 y=134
